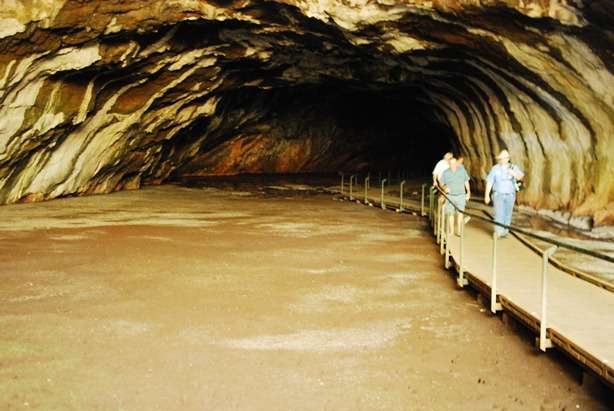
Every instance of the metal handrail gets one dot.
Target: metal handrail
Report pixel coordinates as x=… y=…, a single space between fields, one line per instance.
x=580 y=250
x=544 y=340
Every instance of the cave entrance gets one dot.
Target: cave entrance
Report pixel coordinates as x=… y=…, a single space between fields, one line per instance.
x=322 y=128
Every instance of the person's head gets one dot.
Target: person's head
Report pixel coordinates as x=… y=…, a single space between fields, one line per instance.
x=503 y=157
x=453 y=163
x=460 y=159
x=448 y=156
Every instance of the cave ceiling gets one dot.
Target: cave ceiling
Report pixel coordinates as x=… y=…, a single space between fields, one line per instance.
x=98 y=96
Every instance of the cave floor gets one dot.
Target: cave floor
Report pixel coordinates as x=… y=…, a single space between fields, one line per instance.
x=187 y=298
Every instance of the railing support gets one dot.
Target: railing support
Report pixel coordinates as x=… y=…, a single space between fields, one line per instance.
x=494 y=305
x=422 y=213
x=430 y=206
x=442 y=227
x=436 y=220
x=435 y=215
x=433 y=209
x=400 y=209
x=342 y=182
x=461 y=280
x=544 y=341
x=352 y=178
x=367 y=189
x=383 y=204
x=447 y=242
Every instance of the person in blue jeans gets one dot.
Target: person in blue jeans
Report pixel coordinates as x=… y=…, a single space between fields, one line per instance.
x=455 y=183
x=502 y=180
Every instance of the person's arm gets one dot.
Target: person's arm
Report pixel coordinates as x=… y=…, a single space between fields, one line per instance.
x=467 y=186
x=490 y=179
x=434 y=180
x=443 y=183
x=487 y=192
x=517 y=173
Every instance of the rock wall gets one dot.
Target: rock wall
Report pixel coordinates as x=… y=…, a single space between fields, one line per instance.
x=97 y=96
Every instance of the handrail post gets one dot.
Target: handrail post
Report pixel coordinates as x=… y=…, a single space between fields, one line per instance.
x=400 y=209
x=342 y=183
x=438 y=220
x=383 y=204
x=447 y=243
x=441 y=228
x=440 y=223
x=352 y=178
x=544 y=342
x=461 y=280
x=433 y=210
x=430 y=206
x=422 y=201
x=367 y=178
x=494 y=305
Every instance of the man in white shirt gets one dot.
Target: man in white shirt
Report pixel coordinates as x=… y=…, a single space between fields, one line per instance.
x=441 y=166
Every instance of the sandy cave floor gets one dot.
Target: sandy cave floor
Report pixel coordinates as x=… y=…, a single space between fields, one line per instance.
x=189 y=298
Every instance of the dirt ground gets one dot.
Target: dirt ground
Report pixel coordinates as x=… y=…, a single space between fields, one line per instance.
x=176 y=298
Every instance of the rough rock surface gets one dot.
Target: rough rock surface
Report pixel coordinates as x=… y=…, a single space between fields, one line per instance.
x=97 y=96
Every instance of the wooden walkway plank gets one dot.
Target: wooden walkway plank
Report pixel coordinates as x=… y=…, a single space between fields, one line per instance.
x=580 y=313
x=578 y=310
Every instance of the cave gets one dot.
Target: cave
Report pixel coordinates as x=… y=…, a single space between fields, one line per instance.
x=103 y=96
x=130 y=133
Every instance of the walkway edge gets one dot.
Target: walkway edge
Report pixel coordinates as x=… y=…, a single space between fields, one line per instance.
x=577 y=353
x=575 y=272
x=564 y=344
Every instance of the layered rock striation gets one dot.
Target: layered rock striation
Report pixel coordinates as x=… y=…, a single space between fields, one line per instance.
x=97 y=96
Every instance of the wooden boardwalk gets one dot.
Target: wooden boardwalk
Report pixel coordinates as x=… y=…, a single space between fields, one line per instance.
x=580 y=315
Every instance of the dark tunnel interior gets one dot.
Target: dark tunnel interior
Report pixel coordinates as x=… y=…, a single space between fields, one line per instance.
x=359 y=129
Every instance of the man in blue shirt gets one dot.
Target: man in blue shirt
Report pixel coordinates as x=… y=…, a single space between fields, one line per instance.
x=455 y=181
x=502 y=180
